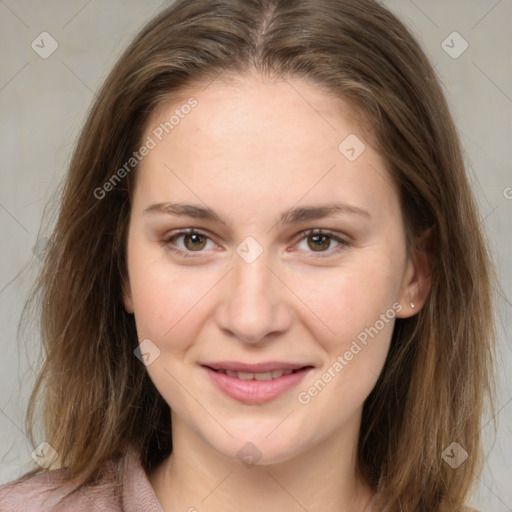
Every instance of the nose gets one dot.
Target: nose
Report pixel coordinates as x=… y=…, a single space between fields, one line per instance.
x=254 y=304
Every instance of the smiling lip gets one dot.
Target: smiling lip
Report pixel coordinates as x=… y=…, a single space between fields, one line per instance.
x=267 y=366
x=250 y=389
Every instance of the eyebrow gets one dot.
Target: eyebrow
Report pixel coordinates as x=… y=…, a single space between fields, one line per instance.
x=291 y=216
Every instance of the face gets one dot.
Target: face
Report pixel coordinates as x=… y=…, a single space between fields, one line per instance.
x=259 y=245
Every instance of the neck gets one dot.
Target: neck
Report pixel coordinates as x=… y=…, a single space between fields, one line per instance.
x=198 y=478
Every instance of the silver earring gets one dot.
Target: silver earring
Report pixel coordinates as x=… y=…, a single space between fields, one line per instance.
x=412 y=305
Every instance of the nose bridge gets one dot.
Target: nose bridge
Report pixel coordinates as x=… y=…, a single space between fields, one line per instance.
x=252 y=279
x=254 y=304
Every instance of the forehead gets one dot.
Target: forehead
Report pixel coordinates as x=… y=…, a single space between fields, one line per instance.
x=241 y=105
x=265 y=138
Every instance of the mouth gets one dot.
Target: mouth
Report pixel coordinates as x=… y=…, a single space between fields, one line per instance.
x=261 y=376
x=264 y=383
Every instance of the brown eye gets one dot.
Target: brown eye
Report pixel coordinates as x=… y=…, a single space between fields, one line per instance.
x=323 y=243
x=319 y=242
x=187 y=242
x=194 y=241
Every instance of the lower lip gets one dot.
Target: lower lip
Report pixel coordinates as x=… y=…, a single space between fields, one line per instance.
x=255 y=391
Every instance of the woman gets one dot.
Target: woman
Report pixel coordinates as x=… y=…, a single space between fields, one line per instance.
x=267 y=288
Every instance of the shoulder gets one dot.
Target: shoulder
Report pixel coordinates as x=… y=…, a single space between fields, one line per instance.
x=50 y=490
x=123 y=486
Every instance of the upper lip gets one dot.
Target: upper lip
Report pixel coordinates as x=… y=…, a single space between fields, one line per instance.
x=266 y=366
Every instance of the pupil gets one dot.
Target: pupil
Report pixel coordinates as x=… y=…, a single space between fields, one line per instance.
x=196 y=241
x=320 y=242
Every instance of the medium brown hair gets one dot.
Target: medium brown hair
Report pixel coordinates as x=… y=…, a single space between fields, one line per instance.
x=97 y=397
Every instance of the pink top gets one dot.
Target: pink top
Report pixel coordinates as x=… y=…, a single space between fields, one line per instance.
x=124 y=488
x=129 y=491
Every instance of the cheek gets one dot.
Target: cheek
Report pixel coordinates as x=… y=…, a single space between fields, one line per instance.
x=169 y=308
x=346 y=301
x=358 y=304
x=360 y=311
x=164 y=300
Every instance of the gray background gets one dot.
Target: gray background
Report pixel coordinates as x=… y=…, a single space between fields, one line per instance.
x=43 y=103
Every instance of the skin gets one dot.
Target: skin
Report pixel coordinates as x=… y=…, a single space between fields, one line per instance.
x=251 y=149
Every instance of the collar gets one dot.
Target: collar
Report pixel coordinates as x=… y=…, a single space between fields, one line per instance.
x=138 y=494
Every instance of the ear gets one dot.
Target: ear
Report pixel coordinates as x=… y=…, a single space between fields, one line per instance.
x=418 y=278
x=127 y=295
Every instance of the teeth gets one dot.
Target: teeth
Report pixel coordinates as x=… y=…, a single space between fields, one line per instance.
x=274 y=374
x=245 y=375
x=263 y=376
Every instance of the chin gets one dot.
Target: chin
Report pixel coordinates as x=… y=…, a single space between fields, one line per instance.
x=254 y=447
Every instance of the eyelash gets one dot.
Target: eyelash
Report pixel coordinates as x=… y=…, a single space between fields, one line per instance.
x=305 y=234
